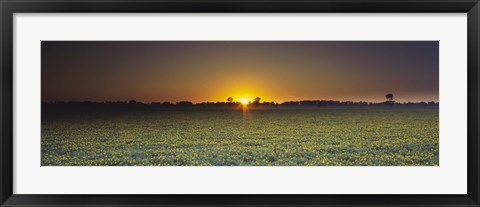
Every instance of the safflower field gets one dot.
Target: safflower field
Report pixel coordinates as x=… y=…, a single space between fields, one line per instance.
x=275 y=137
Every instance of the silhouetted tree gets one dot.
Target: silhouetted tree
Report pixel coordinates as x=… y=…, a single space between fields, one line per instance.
x=390 y=100
x=389 y=97
x=257 y=100
x=184 y=103
x=229 y=99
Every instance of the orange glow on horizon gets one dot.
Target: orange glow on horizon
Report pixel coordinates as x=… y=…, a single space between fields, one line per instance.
x=244 y=96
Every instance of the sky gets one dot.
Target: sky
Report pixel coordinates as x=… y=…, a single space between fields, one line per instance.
x=200 y=71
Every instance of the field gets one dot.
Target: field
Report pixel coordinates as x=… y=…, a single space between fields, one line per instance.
x=276 y=137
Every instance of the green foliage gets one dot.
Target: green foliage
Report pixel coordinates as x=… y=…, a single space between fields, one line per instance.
x=298 y=137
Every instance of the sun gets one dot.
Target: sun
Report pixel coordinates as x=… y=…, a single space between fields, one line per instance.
x=244 y=101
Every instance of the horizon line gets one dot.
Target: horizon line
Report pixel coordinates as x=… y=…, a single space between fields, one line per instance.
x=233 y=102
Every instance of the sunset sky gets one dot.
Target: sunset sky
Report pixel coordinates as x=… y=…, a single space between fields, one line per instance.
x=198 y=71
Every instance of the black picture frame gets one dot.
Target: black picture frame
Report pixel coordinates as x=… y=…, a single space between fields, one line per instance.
x=9 y=7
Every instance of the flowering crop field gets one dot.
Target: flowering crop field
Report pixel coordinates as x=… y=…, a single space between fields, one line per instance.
x=274 y=137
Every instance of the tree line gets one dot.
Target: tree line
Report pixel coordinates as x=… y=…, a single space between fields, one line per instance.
x=232 y=104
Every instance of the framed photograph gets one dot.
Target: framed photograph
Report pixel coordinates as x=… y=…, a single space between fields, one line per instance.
x=239 y=103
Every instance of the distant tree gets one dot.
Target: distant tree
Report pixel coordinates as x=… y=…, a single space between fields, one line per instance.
x=389 y=97
x=132 y=102
x=257 y=100
x=390 y=100
x=184 y=103
x=230 y=100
